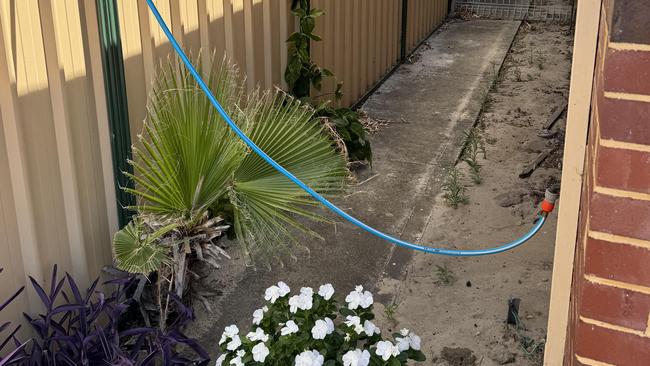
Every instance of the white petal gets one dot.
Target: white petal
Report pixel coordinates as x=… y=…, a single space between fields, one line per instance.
x=260 y=351
x=283 y=289
x=220 y=360
x=414 y=342
x=326 y=291
x=234 y=344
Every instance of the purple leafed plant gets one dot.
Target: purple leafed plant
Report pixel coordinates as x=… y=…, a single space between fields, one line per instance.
x=17 y=354
x=83 y=328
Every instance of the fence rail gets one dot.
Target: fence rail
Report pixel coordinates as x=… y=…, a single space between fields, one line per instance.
x=57 y=147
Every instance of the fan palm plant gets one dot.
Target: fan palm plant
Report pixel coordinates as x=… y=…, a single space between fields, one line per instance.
x=192 y=174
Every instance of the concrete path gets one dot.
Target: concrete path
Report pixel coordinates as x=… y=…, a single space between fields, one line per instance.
x=439 y=95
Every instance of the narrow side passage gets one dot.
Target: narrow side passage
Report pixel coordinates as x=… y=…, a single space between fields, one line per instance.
x=439 y=95
x=459 y=305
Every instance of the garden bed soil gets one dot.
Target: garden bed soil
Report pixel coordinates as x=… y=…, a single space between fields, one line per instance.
x=459 y=305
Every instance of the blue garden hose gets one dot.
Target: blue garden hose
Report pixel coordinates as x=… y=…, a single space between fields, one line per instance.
x=441 y=251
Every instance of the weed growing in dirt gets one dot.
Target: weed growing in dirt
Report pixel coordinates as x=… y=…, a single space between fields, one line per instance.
x=445 y=275
x=453 y=188
x=487 y=101
x=533 y=349
x=474 y=144
x=390 y=311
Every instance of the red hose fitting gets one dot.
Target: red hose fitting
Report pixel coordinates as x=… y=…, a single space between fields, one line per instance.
x=548 y=204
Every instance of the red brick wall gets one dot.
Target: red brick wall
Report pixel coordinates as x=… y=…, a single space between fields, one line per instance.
x=610 y=302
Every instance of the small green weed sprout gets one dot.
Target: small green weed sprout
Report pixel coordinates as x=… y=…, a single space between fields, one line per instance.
x=453 y=188
x=533 y=349
x=445 y=275
x=390 y=311
x=474 y=144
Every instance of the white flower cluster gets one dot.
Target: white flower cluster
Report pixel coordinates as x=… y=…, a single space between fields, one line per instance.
x=356 y=357
x=257 y=342
x=359 y=298
x=368 y=327
x=231 y=335
x=304 y=301
x=274 y=292
x=258 y=315
x=310 y=358
x=322 y=328
x=407 y=341
x=386 y=349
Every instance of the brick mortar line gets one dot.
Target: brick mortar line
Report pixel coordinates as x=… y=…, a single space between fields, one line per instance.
x=585 y=237
x=624 y=46
x=591 y=362
x=617 y=284
x=618 y=239
x=621 y=193
x=615 y=144
x=627 y=96
x=614 y=327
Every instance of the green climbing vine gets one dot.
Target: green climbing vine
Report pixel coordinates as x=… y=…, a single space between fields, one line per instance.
x=302 y=74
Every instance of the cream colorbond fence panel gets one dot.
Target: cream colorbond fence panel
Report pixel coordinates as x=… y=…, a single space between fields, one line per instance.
x=424 y=16
x=360 y=43
x=251 y=33
x=57 y=201
x=361 y=39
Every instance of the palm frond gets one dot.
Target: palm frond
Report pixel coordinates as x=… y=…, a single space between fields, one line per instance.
x=266 y=202
x=187 y=155
x=138 y=251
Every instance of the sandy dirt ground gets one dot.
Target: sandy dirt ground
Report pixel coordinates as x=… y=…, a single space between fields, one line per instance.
x=459 y=305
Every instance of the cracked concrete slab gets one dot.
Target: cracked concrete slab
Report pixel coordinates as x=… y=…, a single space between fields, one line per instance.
x=440 y=96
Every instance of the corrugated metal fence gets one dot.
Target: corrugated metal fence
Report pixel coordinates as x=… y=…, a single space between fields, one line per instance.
x=361 y=39
x=57 y=190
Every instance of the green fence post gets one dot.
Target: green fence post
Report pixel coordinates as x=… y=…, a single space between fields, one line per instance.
x=405 y=8
x=116 y=102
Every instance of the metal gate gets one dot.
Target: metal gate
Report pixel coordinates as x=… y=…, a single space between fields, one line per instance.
x=543 y=10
